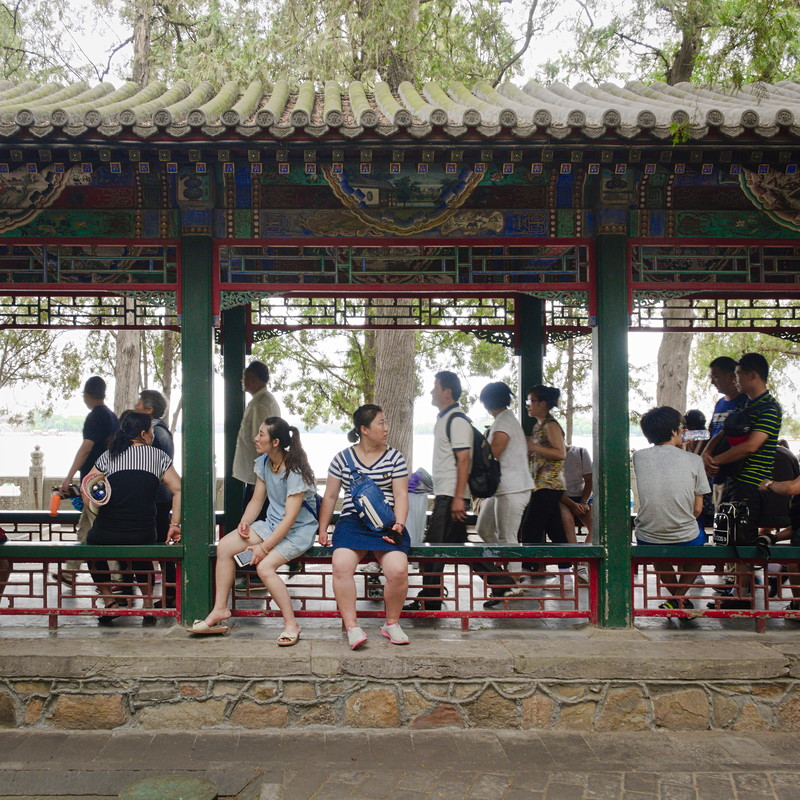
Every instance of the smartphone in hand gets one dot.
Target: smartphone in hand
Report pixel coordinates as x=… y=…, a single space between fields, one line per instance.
x=243 y=558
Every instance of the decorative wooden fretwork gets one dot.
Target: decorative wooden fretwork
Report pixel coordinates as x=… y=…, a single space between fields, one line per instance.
x=716 y=264
x=777 y=316
x=96 y=264
x=151 y=310
x=382 y=312
x=500 y=264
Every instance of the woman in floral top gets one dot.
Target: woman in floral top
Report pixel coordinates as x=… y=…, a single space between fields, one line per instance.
x=547 y=452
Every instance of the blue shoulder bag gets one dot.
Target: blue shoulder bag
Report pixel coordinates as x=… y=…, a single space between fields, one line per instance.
x=370 y=502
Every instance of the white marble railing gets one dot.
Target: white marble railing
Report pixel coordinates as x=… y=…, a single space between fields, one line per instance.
x=32 y=491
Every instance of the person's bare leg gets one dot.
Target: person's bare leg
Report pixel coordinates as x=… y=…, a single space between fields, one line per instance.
x=394 y=564
x=344 y=565
x=568 y=523
x=267 y=571
x=586 y=521
x=225 y=572
x=687 y=572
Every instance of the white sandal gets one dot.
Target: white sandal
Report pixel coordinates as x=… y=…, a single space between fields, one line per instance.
x=394 y=633
x=356 y=637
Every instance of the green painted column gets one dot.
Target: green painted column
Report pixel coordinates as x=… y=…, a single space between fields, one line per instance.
x=197 y=343
x=530 y=313
x=234 y=329
x=611 y=451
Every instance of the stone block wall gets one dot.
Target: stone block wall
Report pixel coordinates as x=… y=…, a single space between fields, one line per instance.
x=601 y=681
x=300 y=701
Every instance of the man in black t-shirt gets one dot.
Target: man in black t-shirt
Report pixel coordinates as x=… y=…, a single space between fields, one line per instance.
x=100 y=424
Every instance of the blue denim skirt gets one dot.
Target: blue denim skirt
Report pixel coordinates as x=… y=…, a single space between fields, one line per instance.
x=350 y=532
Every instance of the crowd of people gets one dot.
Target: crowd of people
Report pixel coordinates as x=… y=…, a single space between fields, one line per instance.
x=681 y=479
x=544 y=491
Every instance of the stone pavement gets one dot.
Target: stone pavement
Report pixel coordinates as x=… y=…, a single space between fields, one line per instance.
x=399 y=765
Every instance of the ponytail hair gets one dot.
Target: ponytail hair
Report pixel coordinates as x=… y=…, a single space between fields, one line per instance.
x=131 y=424
x=294 y=458
x=549 y=395
x=363 y=416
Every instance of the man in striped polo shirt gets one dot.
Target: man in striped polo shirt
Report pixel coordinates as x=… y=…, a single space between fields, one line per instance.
x=755 y=452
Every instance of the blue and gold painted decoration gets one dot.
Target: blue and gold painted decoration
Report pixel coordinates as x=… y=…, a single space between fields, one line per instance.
x=775 y=193
x=23 y=193
x=403 y=203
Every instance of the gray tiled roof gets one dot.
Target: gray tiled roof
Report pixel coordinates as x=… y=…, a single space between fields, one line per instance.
x=350 y=110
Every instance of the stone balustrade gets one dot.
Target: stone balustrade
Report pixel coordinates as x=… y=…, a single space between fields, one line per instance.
x=32 y=491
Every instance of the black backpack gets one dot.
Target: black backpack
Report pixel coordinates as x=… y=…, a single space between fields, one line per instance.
x=484 y=472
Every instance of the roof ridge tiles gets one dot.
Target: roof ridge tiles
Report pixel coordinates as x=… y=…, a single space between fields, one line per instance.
x=15 y=90
x=363 y=112
x=29 y=98
x=540 y=115
x=303 y=105
x=51 y=110
x=390 y=107
x=457 y=113
x=272 y=110
x=71 y=91
x=177 y=111
x=125 y=92
x=491 y=94
x=332 y=104
x=141 y=113
x=212 y=109
x=246 y=105
x=84 y=99
x=420 y=108
x=490 y=113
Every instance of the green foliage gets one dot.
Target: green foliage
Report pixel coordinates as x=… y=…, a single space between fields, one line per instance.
x=781 y=355
x=330 y=39
x=727 y=41
x=40 y=361
x=324 y=376
x=680 y=131
x=35 y=41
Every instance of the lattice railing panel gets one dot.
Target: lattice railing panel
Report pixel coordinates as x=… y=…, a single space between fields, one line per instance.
x=662 y=311
x=289 y=313
x=719 y=264
x=390 y=264
x=90 y=263
x=133 y=310
x=566 y=315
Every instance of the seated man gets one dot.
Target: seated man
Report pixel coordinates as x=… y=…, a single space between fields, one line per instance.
x=671 y=484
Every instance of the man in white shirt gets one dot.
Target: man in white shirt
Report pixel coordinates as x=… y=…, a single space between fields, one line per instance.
x=261 y=406
x=671 y=484
x=452 y=459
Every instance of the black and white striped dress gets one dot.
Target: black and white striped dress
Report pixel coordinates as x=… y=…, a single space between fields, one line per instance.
x=134 y=477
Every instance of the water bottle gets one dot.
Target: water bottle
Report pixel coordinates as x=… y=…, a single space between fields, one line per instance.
x=55 y=502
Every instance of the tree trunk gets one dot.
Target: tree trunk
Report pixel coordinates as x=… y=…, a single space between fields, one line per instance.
x=168 y=367
x=176 y=415
x=673 y=358
x=126 y=371
x=673 y=353
x=394 y=385
x=569 y=408
x=142 y=26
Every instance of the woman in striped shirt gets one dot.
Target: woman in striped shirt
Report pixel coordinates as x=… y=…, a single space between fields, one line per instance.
x=133 y=470
x=352 y=540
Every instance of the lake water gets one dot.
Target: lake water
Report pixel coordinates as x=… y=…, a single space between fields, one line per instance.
x=59 y=449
